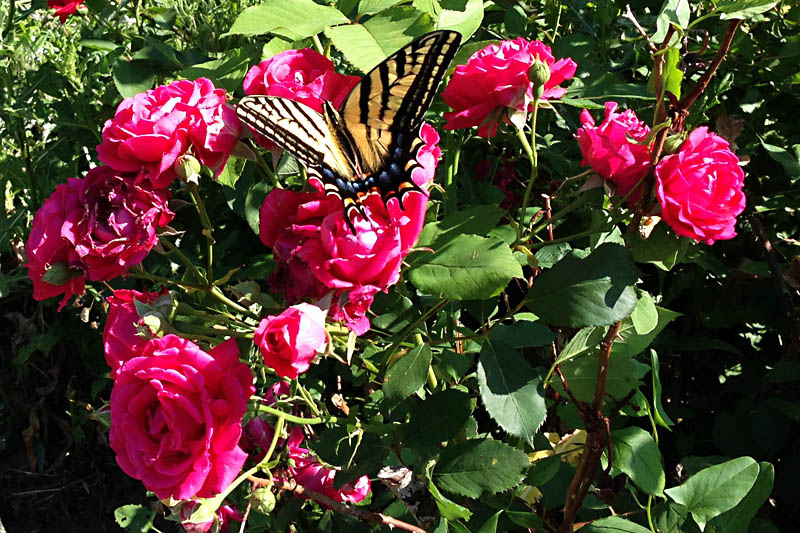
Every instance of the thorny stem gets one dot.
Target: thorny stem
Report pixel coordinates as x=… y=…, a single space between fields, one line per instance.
x=207 y=229
x=596 y=436
x=705 y=79
x=166 y=243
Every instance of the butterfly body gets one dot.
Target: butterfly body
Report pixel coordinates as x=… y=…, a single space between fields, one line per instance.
x=369 y=145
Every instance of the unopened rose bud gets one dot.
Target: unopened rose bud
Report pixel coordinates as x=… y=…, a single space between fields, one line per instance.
x=60 y=273
x=539 y=74
x=263 y=500
x=187 y=167
x=673 y=143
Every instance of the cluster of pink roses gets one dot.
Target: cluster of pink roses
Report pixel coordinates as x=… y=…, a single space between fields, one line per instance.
x=699 y=187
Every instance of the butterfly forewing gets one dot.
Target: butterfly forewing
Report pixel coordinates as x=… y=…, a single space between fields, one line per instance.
x=297 y=128
x=394 y=96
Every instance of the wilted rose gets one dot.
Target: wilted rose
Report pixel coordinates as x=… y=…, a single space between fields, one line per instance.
x=700 y=188
x=96 y=228
x=495 y=82
x=151 y=130
x=176 y=417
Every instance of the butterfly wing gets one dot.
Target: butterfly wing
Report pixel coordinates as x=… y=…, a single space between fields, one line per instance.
x=297 y=128
x=385 y=110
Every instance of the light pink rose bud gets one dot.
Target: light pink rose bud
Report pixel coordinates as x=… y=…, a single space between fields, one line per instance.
x=291 y=340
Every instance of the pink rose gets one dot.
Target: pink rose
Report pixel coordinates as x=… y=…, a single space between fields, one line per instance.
x=120 y=335
x=700 y=188
x=496 y=79
x=95 y=228
x=610 y=148
x=176 y=417
x=64 y=8
x=305 y=76
x=291 y=340
x=316 y=251
x=310 y=473
x=223 y=518
x=151 y=130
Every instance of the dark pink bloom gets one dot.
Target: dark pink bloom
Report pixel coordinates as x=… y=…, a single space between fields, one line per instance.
x=317 y=253
x=151 y=130
x=305 y=76
x=312 y=475
x=495 y=80
x=176 y=417
x=700 y=188
x=291 y=340
x=121 y=340
x=614 y=150
x=64 y=8
x=95 y=228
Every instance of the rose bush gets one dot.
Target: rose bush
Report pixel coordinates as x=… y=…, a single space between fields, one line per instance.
x=291 y=340
x=700 y=188
x=121 y=340
x=176 y=417
x=151 y=130
x=316 y=251
x=495 y=79
x=96 y=227
x=614 y=148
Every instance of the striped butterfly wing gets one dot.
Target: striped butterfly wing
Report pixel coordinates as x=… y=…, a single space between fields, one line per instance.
x=383 y=113
x=300 y=130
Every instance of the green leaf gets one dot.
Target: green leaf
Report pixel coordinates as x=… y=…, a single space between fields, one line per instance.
x=230 y=174
x=630 y=343
x=581 y=376
x=636 y=454
x=478 y=220
x=672 y=12
x=134 y=518
x=662 y=248
x=744 y=9
x=427 y=425
x=407 y=374
x=613 y=524
x=592 y=291
x=294 y=20
x=490 y=526
x=659 y=414
x=98 y=44
x=549 y=255
x=396 y=27
x=449 y=510
x=645 y=315
x=370 y=7
x=132 y=77
x=582 y=343
x=785 y=158
x=673 y=75
x=227 y=71
x=716 y=489
x=479 y=465
x=511 y=390
x=526 y=519
x=516 y=19
x=252 y=204
x=357 y=44
x=463 y=16
x=738 y=519
x=523 y=334
x=467 y=267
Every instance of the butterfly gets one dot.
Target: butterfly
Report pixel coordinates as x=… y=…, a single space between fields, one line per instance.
x=368 y=145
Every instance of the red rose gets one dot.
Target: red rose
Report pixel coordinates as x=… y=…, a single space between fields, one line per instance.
x=305 y=76
x=120 y=335
x=95 y=228
x=312 y=475
x=317 y=252
x=611 y=151
x=64 y=8
x=291 y=340
x=700 y=188
x=496 y=79
x=151 y=130
x=176 y=417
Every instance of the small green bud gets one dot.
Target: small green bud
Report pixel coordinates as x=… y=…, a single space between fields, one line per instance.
x=60 y=273
x=673 y=143
x=539 y=74
x=187 y=167
x=263 y=500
